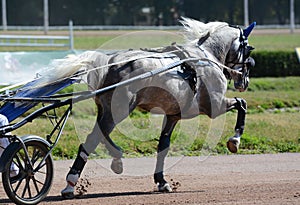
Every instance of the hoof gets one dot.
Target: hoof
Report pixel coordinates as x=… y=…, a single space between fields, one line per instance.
x=233 y=144
x=164 y=188
x=117 y=166
x=68 y=192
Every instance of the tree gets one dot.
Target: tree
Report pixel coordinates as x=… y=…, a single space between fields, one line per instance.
x=82 y=12
x=28 y=13
x=269 y=11
x=163 y=12
x=230 y=11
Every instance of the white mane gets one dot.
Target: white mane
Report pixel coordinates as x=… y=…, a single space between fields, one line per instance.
x=194 y=30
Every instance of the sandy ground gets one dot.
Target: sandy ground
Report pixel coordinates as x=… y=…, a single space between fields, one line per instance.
x=233 y=179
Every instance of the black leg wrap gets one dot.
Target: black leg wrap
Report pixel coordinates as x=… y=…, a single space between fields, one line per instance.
x=241 y=106
x=159 y=178
x=79 y=162
x=162 y=151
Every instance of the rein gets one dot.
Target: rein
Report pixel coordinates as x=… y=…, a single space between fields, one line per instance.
x=230 y=70
x=186 y=55
x=83 y=72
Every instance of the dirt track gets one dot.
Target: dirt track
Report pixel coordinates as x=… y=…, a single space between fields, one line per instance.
x=234 y=179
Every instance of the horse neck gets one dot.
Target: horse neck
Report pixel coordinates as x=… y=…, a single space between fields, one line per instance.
x=218 y=45
x=216 y=49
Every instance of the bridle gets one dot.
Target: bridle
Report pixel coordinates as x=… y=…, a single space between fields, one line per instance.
x=244 y=51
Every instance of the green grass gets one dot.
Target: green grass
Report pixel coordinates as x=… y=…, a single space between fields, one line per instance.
x=130 y=39
x=90 y=42
x=274 y=84
x=95 y=39
x=270 y=93
x=270 y=132
x=283 y=42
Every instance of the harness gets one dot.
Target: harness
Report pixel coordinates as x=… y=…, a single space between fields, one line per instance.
x=186 y=72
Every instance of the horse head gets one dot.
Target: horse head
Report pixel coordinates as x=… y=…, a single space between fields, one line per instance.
x=238 y=58
x=226 y=43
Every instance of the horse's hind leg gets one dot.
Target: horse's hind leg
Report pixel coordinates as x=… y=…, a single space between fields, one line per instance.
x=162 y=151
x=103 y=127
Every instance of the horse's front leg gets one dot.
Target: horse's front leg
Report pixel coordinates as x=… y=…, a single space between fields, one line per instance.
x=162 y=151
x=241 y=105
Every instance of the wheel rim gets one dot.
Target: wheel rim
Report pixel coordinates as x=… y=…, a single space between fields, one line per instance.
x=32 y=183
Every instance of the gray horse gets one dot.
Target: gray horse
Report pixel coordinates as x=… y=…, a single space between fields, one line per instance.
x=218 y=51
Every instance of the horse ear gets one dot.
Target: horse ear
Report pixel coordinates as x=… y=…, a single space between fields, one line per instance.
x=248 y=30
x=203 y=38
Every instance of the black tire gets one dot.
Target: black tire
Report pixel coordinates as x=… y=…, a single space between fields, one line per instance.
x=31 y=185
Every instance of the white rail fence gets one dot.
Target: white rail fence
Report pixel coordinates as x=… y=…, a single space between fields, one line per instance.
x=121 y=27
x=39 y=40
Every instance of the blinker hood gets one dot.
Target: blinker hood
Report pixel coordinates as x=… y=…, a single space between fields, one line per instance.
x=248 y=30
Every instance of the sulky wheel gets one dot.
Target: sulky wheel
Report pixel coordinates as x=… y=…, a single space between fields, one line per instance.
x=31 y=183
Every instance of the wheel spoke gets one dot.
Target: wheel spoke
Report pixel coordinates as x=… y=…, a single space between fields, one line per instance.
x=25 y=188
x=29 y=190
x=37 y=169
x=35 y=155
x=38 y=181
x=41 y=172
x=18 y=162
x=35 y=184
x=22 y=155
x=18 y=185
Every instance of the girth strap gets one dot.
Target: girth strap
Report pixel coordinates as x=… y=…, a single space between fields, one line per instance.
x=187 y=71
x=189 y=74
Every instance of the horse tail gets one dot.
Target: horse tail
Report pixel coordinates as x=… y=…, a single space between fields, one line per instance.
x=96 y=77
x=64 y=68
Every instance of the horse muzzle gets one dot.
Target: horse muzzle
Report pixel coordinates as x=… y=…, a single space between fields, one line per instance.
x=239 y=87
x=242 y=85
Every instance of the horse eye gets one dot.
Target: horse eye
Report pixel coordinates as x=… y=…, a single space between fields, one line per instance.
x=249 y=48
